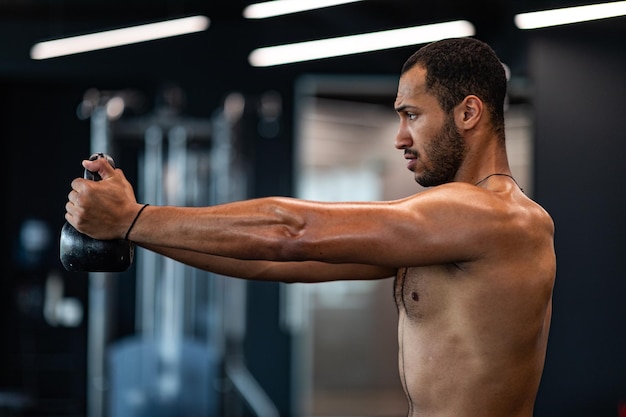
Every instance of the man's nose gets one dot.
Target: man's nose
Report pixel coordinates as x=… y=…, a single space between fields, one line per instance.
x=403 y=139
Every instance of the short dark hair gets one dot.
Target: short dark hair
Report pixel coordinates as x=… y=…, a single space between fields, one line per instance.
x=458 y=67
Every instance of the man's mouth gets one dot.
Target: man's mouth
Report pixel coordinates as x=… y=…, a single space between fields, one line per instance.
x=412 y=158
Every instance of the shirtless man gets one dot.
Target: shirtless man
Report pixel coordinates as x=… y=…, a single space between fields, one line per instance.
x=473 y=256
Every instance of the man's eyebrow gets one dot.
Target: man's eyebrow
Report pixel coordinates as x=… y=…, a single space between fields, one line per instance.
x=403 y=107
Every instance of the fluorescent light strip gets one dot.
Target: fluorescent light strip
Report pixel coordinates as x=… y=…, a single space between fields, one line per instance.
x=534 y=20
x=282 y=7
x=346 y=45
x=118 y=37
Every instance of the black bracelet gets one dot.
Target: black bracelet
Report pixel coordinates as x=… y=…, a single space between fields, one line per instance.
x=135 y=220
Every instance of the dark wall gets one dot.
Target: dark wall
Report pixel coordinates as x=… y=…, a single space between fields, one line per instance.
x=579 y=79
x=40 y=136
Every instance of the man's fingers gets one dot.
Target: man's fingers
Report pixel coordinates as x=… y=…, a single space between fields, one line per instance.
x=101 y=166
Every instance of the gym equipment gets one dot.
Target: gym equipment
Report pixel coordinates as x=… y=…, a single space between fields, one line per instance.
x=81 y=253
x=186 y=355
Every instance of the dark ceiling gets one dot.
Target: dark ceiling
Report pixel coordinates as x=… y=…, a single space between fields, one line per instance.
x=219 y=55
x=34 y=20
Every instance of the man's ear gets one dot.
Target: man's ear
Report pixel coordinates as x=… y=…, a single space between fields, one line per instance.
x=469 y=112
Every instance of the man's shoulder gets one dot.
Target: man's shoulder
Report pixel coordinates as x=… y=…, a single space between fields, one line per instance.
x=489 y=211
x=456 y=194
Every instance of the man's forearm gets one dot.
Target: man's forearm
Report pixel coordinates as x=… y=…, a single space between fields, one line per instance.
x=307 y=271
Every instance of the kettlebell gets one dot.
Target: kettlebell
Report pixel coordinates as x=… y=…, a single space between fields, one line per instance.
x=81 y=253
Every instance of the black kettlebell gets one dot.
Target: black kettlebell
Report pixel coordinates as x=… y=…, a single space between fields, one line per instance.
x=82 y=253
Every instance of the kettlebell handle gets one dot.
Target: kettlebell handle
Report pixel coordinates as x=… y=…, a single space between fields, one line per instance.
x=94 y=176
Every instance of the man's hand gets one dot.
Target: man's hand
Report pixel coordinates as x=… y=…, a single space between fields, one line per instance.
x=101 y=209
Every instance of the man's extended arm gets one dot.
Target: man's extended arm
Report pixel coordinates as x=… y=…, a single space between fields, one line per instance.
x=447 y=225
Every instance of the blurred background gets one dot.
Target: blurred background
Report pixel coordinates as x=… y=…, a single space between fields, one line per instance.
x=194 y=120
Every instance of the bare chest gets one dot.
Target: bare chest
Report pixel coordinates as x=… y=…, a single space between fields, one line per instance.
x=419 y=292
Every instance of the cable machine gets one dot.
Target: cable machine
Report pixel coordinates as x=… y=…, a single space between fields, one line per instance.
x=186 y=357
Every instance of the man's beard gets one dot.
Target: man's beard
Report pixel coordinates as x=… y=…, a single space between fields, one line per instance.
x=445 y=154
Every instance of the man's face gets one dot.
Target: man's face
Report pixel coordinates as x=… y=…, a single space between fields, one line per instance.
x=429 y=137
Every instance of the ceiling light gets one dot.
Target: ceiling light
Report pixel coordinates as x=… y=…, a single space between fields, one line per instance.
x=534 y=20
x=281 y=7
x=118 y=37
x=346 y=45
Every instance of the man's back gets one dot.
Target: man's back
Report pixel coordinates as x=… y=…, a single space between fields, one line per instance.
x=472 y=334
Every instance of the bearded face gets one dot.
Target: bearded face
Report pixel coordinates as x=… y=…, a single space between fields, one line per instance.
x=444 y=153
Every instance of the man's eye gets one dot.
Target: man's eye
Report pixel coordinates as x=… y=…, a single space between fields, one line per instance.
x=411 y=116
